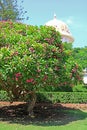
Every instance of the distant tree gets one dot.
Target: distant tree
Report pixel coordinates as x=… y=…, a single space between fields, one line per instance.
x=9 y=10
x=80 y=56
x=68 y=46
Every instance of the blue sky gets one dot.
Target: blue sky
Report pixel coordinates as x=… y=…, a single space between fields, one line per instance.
x=72 y=12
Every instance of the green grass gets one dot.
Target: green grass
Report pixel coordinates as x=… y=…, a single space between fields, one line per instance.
x=73 y=120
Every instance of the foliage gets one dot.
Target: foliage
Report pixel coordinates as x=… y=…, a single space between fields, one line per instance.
x=54 y=97
x=62 y=97
x=33 y=58
x=4 y=96
x=73 y=65
x=9 y=10
x=80 y=88
x=80 y=56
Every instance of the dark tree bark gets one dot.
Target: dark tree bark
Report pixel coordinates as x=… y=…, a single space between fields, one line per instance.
x=31 y=104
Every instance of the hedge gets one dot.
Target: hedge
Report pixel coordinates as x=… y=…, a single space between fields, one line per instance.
x=4 y=96
x=54 y=97
x=62 y=97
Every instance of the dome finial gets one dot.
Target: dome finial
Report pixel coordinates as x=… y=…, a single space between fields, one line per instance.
x=54 y=16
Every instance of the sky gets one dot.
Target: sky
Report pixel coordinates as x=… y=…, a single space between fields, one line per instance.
x=72 y=12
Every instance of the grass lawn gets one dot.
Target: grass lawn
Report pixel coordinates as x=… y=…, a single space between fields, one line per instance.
x=72 y=120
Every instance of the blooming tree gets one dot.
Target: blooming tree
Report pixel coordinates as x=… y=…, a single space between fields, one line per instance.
x=31 y=59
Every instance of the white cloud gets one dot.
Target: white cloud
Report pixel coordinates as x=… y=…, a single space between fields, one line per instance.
x=73 y=22
x=69 y=21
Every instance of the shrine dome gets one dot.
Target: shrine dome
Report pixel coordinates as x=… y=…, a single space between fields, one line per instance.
x=62 y=27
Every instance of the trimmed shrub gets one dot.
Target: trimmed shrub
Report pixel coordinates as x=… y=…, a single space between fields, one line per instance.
x=54 y=97
x=4 y=96
x=62 y=97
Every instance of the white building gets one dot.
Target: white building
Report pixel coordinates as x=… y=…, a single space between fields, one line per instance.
x=85 y=76
x=62 y=28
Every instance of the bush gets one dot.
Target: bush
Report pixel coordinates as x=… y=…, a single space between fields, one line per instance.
x=33 y=58
x=54 y=97
x=4 y=96
x=80 y=88
x=62 y=97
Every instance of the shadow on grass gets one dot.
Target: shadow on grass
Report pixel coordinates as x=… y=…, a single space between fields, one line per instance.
x=45 y=115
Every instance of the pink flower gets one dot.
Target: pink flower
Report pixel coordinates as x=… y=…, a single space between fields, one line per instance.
x=4 y=21
x=16 y=79
x=45 y=77
x=29 y=80
x=16 y=53
x=38 y=70
x=17 y=75
x=31 y=49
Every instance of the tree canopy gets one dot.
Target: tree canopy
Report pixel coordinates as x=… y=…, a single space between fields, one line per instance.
x=9 y=10
x=80 y=56
x=32 y=58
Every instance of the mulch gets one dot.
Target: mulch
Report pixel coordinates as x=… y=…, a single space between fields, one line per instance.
x=67 y=105
x=16 y=111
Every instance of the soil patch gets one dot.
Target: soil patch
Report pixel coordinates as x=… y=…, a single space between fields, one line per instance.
x=44 y=112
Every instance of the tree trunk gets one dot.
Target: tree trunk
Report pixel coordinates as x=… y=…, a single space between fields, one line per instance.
x=31 y=104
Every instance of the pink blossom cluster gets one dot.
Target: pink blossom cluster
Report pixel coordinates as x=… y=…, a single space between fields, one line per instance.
x=30 y=80
x=17 y=75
